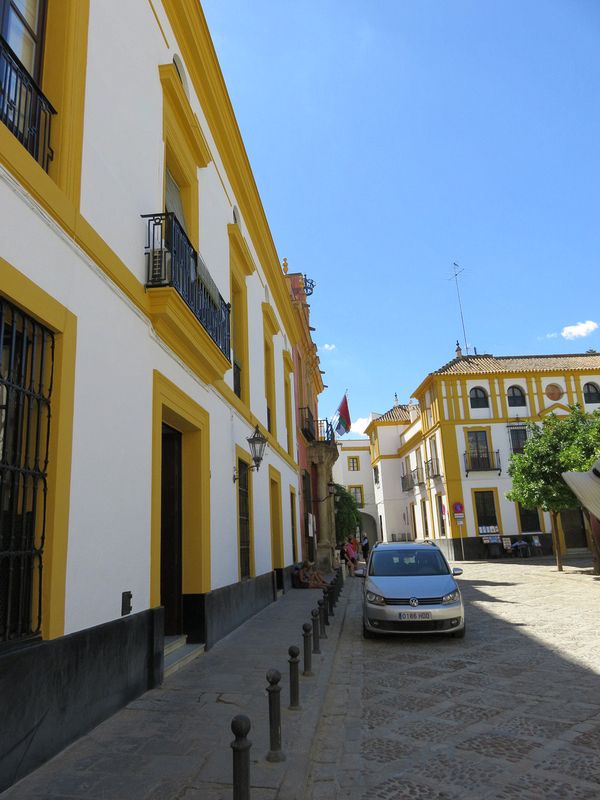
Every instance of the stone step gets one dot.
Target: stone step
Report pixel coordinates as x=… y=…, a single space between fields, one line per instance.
x=173 y=643
x=181 y=657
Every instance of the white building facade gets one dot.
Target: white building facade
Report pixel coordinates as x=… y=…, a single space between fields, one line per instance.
x=146 y=333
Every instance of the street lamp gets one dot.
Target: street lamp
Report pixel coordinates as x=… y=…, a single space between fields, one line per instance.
x=330 y=491
x=257 y=443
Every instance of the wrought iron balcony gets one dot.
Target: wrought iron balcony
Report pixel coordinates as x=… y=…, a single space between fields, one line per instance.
x=432 y=468
x=24 y=108
x=417 y=476
x=407 y=482
x=172 y=261
x=482 y=461
x=307 y=424
x=325 y=432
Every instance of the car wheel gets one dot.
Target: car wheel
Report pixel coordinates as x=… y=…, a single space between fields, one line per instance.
x=367 y=634
x=461 y=633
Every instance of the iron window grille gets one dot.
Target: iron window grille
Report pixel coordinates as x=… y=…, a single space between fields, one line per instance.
x=26 y=372
x=237 y=379
x=478 y=398
x=172 y=261
x=485 y=506
x=516 y=396
x=591 y=393
x=24 y=108
x=518 y=435
x=407 y=482
x=244 y=518
x=417 y=476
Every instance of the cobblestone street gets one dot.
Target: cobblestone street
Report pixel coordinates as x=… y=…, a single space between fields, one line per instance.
x=510 y=712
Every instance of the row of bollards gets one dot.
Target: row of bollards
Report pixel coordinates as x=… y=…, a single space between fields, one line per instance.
x=312 y=633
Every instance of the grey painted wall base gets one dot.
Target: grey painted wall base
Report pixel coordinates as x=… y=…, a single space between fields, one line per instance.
x=476 y=550
x=211 y=616
x=53 y=692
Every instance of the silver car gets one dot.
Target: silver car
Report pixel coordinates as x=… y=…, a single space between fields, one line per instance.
x=409 y=588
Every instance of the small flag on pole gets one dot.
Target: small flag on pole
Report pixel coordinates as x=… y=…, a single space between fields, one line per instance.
x=343 y=417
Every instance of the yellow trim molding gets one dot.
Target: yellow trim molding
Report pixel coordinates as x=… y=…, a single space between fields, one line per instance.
x=175 y=408
x=24 y=293
x=179 y=328
x=239 y=251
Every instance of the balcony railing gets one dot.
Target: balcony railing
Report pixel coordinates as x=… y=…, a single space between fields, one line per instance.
x=482 y=461
x=307 y=424
x=24 y=109
x=407 y=482
x=432 y=468
x=417 y=476
x=325 y=432
x=172 y=261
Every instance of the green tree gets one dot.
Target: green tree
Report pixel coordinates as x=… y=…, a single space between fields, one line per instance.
x=347 y=515
x=558 y=445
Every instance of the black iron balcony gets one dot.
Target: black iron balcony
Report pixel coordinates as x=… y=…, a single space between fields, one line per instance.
x=482 y=461
x=24 y=109
x=417 y=476
x=325 y=432
x=432 y=468
x=172 y=261
x=307 y=424
x=407 y=482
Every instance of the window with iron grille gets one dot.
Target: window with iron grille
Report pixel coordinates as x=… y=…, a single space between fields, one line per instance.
x=529 y=519
x=376 y=475
x=518 y=437
x=353 y=464
x=516 y=396
x=591 y=393
x=357 y=494
x=26 y=368
x=478 y=398
x=244 y=518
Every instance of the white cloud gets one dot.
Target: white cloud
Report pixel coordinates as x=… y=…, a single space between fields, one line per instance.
x=359 y=425
x=551 y=336
x=328 y=347
x=579 y=330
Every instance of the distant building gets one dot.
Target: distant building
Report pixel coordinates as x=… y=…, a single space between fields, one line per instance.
x=353 y=471
x=442 y=463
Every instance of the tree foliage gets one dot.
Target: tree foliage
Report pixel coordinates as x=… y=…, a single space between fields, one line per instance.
x=560 y=444
x=347 y=515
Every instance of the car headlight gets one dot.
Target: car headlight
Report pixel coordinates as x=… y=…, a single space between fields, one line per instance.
x=452 y=597
x=376 y=599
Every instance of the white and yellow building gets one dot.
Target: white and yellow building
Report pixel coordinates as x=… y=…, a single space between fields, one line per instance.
x=441 y=465
x=353 y=471
x=146 y=332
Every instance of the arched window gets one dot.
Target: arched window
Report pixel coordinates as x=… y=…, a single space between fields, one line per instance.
x=516 y=396
x=591 y=393
x=478 y=397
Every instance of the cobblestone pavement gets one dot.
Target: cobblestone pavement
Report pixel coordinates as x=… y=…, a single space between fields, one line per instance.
x=511 y=712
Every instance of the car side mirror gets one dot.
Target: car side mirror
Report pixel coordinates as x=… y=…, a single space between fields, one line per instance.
x=360 y=573
x=457 y=571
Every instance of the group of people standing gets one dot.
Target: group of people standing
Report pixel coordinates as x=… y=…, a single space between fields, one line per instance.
x=352 y=550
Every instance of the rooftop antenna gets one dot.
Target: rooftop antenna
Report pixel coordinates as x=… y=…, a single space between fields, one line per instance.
x=457 y=269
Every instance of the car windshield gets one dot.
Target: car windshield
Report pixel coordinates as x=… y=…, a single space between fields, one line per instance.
x=408 y=562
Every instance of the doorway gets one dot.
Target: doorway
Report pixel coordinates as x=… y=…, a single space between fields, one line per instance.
x=170 y=531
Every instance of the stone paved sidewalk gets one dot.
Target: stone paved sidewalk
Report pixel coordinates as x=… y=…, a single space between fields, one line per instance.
x=173 y=743
x=511 y=712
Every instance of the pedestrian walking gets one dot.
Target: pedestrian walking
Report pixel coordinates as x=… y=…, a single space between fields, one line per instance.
x=365 y=546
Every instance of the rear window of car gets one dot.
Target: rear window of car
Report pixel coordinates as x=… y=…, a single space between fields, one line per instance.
x=408 y=562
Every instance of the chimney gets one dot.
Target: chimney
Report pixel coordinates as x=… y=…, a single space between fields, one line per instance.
x=458 y=350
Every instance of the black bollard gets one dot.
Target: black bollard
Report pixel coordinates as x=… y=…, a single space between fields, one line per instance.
x=321 y=609
x=326 y=604
x=275 y=753
x=294 y=658
x=315 y=629
x=307 y=636
x=240 y=726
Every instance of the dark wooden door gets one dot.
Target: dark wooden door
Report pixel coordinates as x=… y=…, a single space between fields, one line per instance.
x=170 y=531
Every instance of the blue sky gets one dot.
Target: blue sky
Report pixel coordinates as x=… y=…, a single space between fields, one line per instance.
x=390 y=138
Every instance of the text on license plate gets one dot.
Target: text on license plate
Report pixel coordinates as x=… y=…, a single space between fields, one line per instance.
x=415 y=615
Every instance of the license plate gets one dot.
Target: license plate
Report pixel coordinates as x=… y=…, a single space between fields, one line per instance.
x=415 y=615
